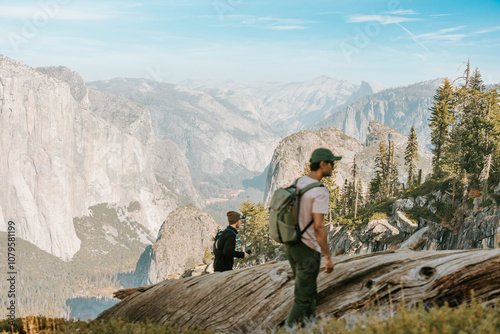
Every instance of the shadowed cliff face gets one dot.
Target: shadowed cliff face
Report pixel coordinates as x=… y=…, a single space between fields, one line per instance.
x=65 y=149
x=184 y=241
x=400 y=108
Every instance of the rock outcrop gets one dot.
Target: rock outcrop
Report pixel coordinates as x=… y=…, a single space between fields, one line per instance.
x=184 y=241
x=294 y=152
x=474 y=228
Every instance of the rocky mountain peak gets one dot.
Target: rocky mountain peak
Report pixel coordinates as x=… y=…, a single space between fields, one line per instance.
x=184 y=240
x=76 y=82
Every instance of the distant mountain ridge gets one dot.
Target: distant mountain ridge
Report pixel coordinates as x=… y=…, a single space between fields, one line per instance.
x=289 y=107
x=400 y=108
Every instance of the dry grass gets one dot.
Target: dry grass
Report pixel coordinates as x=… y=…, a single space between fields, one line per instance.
x=473 y=318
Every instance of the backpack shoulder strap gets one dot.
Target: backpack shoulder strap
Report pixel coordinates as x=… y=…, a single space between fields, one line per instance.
x=237 y=238
x=300 y=193
x=310 y=186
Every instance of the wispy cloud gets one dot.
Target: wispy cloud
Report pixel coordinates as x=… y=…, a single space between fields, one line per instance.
x=447 y=30
x=486 y=31
x=403 y=12
x=329 y=13
x=274 y=23
x=284 y=27
x=382 y=19
x=18 y=12
x=443 y=35
x=276 y=20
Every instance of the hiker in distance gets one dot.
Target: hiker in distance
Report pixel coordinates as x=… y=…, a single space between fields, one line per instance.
x=225 y=243
x=305 y=256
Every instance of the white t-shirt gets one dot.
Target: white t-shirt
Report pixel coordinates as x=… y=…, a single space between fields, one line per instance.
x=315 y=200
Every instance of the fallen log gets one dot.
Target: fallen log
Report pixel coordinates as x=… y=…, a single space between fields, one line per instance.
x=260 y=297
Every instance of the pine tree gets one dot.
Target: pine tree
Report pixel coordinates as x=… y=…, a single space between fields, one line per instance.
x=442 y=117
x=476 y=81
x=411 y=156
x=345 y=194
x=374 y=189
x=354 y=198
x=382 y=169
x=334 y=191
x=475 y=129
x=255 y=234
x=393 y=171
x=359 y=200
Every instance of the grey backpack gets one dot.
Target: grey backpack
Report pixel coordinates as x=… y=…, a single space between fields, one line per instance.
x=284 y=212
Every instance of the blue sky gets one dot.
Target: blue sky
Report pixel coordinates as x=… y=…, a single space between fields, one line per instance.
x=395 y=42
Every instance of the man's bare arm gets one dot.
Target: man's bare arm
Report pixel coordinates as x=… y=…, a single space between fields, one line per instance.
x=322 y=238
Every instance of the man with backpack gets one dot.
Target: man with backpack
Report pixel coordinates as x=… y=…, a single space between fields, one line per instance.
x=225 y=243
x=305 y=255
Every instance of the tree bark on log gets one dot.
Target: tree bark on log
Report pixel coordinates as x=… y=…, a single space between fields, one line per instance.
x=260 y=297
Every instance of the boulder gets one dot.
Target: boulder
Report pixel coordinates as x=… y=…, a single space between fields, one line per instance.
x=403 y=223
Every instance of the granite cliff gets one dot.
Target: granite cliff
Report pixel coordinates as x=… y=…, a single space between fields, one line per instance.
x=400 y=108
x=65 y=148
x=184 y=241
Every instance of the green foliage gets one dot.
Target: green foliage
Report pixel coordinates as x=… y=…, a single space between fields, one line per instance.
x=207 y=256
x=378 y=215
x=421 y=212
x=465 y=132
x=379 y=210
x=486 y=203
x=428 y=187
x=444 y=210
x=442 y=116
x=496 y=198
x=411 y=156
x=386 y=180
x=255 y=231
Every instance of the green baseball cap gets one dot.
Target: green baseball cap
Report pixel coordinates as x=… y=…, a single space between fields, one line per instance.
x=323 y=154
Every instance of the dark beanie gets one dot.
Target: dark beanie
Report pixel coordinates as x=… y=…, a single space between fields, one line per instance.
x=233 y=217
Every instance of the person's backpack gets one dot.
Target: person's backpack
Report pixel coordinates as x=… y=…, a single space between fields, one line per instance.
x=217 y=238
x=284 y=213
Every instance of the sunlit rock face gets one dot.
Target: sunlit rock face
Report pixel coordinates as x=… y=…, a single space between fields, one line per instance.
x=65 y=148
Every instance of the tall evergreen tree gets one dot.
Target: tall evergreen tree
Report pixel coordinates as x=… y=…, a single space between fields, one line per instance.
x=382 y=169
x=411 y=156
x=476 y=81
x=394 y=184
x=354 y=198
x=475 y=129
x=374 y=189
x=255 y=233
x=442 y=117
